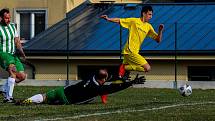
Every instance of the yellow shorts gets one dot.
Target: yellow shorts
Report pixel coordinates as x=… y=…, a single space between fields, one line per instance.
x=134 y=59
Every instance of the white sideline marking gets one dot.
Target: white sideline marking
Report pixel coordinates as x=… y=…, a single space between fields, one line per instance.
x=125 y=111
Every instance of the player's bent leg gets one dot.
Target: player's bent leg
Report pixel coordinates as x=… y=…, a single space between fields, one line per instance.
x=56 y=96
x=147 y=67
x=122 y=70
x=10 y=83
x=20 y=76
x=4 y=89
x=135 y=68
x=130 y=67
x=140 y=68
x=136 y=63
x=36 y=99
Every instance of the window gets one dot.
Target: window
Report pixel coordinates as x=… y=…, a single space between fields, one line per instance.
x=30 y=23
x=201 y=73
x=39 y=23
x=25 y=25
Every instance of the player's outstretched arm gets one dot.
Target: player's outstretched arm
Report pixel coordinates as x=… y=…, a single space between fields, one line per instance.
x=120 y=84
x=115 y=85
x=160 y=33
x=115 y=20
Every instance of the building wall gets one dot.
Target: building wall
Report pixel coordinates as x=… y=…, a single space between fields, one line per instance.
x=48 y=69
x=73 y=3
x=56 y=69
x=57 y=9
x=162 y=69
x=53 y=68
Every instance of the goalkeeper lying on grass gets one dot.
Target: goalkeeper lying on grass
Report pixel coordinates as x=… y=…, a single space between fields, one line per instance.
x=84 y=91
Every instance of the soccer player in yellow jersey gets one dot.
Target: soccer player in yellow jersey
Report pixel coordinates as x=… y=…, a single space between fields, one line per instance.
x=138 y=28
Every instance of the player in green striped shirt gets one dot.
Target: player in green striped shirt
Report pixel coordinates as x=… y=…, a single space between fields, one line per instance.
x=9 y=42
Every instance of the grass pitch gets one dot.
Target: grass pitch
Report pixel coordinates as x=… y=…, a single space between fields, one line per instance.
x=132 y=104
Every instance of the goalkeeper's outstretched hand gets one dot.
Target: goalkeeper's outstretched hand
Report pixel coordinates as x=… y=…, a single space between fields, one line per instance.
x=139 y=80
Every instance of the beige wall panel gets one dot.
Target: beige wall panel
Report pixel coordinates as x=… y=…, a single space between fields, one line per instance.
x=56 y=11
x=119 y=1
x=96 y=62
x=50 y=69
x=74 y=72
x=30 y=3
x=7 y=3
x=73 y=3
x=161 y=70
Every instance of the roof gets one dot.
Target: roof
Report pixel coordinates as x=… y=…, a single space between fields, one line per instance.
x=189 y=28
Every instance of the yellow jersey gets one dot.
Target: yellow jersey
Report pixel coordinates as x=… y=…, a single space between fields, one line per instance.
x=138 y=30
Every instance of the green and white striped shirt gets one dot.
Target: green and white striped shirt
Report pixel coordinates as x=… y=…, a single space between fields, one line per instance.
x=7 y=38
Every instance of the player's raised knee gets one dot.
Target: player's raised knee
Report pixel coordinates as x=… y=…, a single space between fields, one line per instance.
x=20 y=77
x=147 y=68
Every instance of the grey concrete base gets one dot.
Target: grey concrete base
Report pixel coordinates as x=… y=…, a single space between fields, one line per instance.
x=31 y=82
x=173 y=84
x=156 y=84
x=148 y=84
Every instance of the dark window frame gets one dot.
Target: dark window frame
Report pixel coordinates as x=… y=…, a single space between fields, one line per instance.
x=201 y=73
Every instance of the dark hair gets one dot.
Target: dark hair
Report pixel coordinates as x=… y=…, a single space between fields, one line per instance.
x=4 y=10
x=145 y=9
